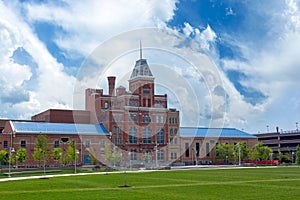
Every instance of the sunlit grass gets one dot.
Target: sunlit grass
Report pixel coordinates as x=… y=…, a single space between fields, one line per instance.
x=255 y=183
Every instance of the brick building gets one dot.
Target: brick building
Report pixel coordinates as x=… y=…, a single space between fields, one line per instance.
x=137 y=123
x=89 y=138
x=138 y=119
x=197 y=145
x=63 y=116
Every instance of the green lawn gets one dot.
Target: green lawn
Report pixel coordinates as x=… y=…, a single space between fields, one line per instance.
x=254 y=183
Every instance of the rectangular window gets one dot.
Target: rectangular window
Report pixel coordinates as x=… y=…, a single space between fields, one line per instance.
x=187 y=150
x=102 y=147
x=23 y=144
x=133 y=155
x=175 y=140
x=173 y=155
x=146 y=119
x=157 y=118
x=56 y=144
x=146 y=91
x=5 y=144
x=135 y=117
x=132 y=117
x=207 y=149
x=197 y=149
x=114 y=139
x=161 y=155
x=119 y=139
x=162 y=119
x=129 y=117
x=132 y=135
x=87 y=144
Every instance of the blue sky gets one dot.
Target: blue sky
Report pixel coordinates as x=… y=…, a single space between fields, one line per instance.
x=253 y=44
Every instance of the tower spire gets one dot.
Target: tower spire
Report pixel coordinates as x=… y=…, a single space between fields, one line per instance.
x=141 y=55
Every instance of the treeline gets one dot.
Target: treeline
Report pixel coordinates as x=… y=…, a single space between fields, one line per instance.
x=234 y=152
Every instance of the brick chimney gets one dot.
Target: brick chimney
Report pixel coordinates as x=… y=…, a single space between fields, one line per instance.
x=111 y=85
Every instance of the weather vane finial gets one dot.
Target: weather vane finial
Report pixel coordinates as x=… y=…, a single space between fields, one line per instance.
x=141 y=49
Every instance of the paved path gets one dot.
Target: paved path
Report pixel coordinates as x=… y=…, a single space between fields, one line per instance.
x=194 y=167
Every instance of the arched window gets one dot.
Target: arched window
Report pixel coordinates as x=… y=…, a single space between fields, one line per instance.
x=160 y=136
x=147 y=135
x=171 y=131
x=132 y=136
x=175 y=131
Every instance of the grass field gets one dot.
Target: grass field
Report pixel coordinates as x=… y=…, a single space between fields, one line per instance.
x=254 y=183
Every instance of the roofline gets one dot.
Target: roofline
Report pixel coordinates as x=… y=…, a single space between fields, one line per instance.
x=143 y=77
x=208 y=128
x=208 y=136
x=12 y=126
x=59 y=133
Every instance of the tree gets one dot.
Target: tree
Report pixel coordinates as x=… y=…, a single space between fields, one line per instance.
x=93 y=160
x=225 y=151
x=261 y=152
x=298 y=155
x=112 y=155
x=57 y=154
x=71 y=152
x=280 y=156
x=41 y=150
x=3 y=156
x=11 y=158
x=240 y=150
x=146 y=157
x=21 y=155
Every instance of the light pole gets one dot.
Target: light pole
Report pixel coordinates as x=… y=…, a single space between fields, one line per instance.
x=125 y=180
x=226 y=160
x=196 y=152
x=156 y=153
x=296 y=126
x=293 y=157
x=129 y=154
x=76 y=153
x=239 y=153
x=60 y=158
x=11 y=150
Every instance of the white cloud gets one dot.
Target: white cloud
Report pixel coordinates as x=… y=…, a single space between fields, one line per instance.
x=13 y=75
x=54 y=88
x=206 y=37
x=87 y=25
x=273 y=69
x=187 y=29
